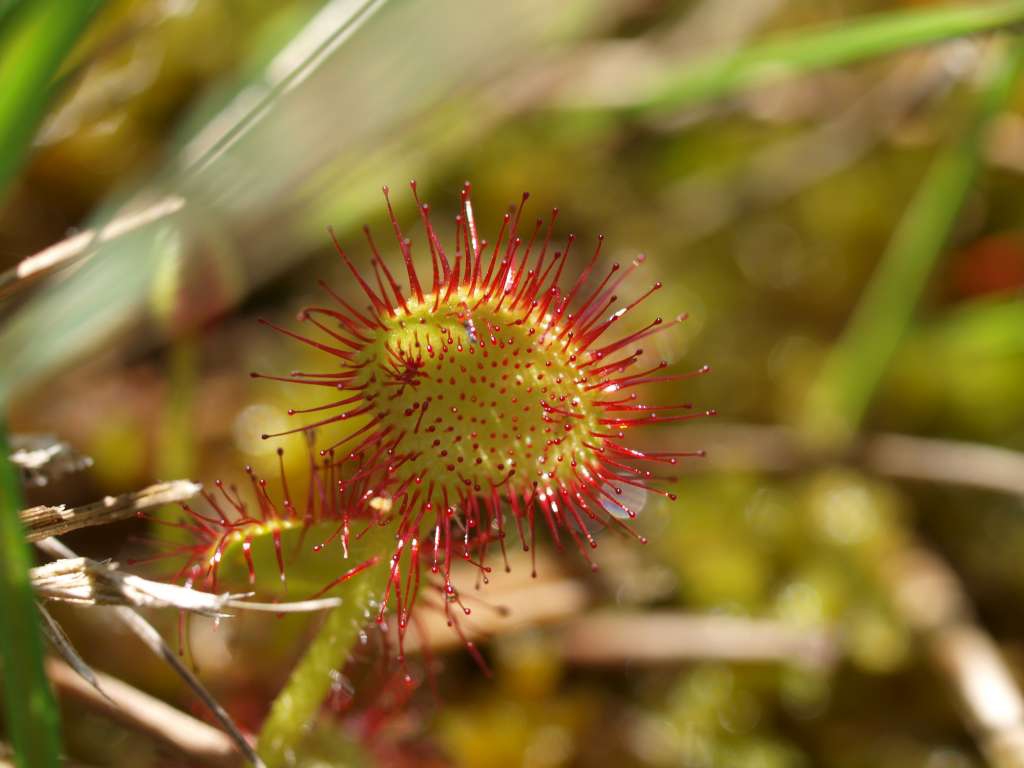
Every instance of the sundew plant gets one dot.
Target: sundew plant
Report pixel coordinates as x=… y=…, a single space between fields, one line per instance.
x=292 y=474
x=492 y=401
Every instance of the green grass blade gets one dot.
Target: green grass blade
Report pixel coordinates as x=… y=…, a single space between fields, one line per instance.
x=834 y=45
x=7 y=9
x=34 y=41
x=31 y=713
x=843 y=391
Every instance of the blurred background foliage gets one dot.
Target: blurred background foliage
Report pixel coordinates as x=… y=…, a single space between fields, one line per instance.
x=765 y=206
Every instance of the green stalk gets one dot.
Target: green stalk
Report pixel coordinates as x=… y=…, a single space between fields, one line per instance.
x=294 y=711
x=33 y=724
x=840 y=396
x=833 y=45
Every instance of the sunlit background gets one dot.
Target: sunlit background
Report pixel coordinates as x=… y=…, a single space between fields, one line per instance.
x=839 y=582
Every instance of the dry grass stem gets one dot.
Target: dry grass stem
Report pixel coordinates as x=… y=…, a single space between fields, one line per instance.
x=60 y=641
x=901 y=457
x=935 y=604
x=199 y=743
x=151 y=638
x=973 y=465
x=70 y=249
x=44 y=458
x=515 y=601
x=88 y=582
x=669 y=638
x=43 y=522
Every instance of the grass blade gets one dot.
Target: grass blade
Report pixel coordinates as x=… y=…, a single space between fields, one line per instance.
x=833 y=45
x=840 y=396
x=34 y=42
x=31 y=713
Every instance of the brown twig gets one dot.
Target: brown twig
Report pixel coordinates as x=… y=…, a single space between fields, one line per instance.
x=44 y=522
x=200 y=743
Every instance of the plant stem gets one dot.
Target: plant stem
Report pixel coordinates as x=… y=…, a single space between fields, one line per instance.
x=294 y=710
x=31 y=713
x=839 y=398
